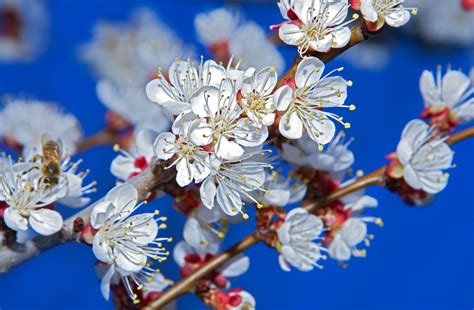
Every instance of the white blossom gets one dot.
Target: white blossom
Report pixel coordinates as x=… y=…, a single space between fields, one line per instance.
x=454 y=91
x=131 y=103
x=391 y=12
x=185 y=79
x=24 y=30
x=216 y=26
x=305 y=106
x=24 y=122
x=256 y=96
x=320 y=26
x=220 y=122
x=27 y=197
x=295 y=237
x=423 y=158
x=125 y=241
x=191 y=161
x=129 y=164
x=335 y=158
x=231 y=181
x=353 y=230
x=126 y=52
x=280 y=191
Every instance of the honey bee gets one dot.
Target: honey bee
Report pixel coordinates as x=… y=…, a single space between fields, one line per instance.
x=51 y=165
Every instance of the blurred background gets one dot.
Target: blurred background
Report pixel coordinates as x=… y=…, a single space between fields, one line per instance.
x=421 y=259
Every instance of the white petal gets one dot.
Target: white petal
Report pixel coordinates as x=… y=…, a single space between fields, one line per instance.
x=101 y=212
x=208 y=192
x=229 y=150
x=248 y=134
x=101 y=248
x=124 y=197
x=290 y=34
x=237 y=266
x=228 y=200
x=283 y=97
x=291 y=126
x=121 y=167
x=454 y=86
x=200 y=132
x=309 y=72
x=397 y=17
x=321 y=131
x=339 y=250
x=353 y=231
x=128 y=261
x=341 y=37
x=277 y=197
x=185 y=172
x=142 y=228
x=180 y=251
x=14 y=220
x=293 y=155
x=205 y=102
x=46 y=222
x=283 y=263
x=164 y=145
x=368 y=11
x=105 y=282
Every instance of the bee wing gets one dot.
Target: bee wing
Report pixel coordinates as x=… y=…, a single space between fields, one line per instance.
x=45 y=138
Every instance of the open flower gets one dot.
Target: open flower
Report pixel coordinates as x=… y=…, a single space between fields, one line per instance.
x=231 y=181
x=129 y=164
x=27 y=197
x=185 y=79
x=256 y=97
x=319 y=25
x=421 y=158
x=280 y=191
x=125 y=52
x=24 y=122
x=347 y=228
x=305 y=105
x=220 y=123
x=191 y=161
x=335 y=158
x=379 y=12
x=295 y=237
x=125 y=242
x=448 y=99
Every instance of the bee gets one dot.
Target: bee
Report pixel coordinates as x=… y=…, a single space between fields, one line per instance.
x=51 y=161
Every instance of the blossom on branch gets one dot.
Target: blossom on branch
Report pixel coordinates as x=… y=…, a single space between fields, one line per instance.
x=295 y=244
x=128 y=243
x=304 y=103
x=448 y=99
x=421 y=158
x=315 y=25
x=378 y=12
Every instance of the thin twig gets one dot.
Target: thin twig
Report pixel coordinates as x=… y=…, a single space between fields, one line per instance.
x=103 y=137
x=186 y=284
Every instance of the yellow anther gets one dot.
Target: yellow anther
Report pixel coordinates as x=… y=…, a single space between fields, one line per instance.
x=245 y=216
x=221 y=235
x=355 y=16
x=359 y=173
x=414 y=11
x=116 y=147
x=350 y=83
x=379 y=222
x=259 y=205
x=352 y=107
x=320 y=147
x=157 y=212
x=347 y=125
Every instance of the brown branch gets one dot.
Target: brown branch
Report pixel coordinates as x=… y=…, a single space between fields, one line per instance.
x=103 y=137
x=150 y=180
x=186 y=284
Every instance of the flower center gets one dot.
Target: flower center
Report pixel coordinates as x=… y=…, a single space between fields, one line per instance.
x=10 y=23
